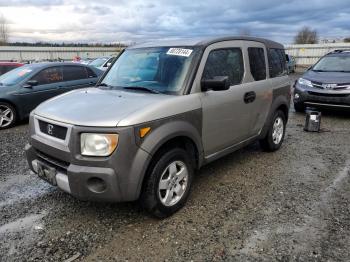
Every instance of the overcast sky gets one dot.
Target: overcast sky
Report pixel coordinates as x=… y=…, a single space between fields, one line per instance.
x=142 y=20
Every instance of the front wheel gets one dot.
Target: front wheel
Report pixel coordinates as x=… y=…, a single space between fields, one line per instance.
x=168 y=185
x=7 y=115
x=275 y=134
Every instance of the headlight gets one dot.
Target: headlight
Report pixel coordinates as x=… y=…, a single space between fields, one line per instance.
x=98 y=144
x=304 y=82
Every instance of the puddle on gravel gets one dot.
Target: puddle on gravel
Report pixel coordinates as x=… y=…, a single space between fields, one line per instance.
x=24 y=223
x=22 y=187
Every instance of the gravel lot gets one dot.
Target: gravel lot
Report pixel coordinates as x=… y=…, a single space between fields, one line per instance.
x=293 y=204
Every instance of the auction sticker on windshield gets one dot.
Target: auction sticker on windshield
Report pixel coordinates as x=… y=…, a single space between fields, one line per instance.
x=179 y=52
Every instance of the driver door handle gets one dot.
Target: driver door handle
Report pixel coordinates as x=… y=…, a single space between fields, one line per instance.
x=249 y=97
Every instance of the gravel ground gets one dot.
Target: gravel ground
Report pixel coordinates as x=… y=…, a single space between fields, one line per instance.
x=291 y=205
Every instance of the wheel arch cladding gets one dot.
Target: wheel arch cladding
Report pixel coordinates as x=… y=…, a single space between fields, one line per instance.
x=280 y=102
x=172 y=132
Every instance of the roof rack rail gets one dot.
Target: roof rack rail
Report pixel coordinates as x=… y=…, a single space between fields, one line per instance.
x=339 y=51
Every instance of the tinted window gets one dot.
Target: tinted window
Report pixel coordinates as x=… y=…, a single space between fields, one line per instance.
x=90 y=73
x=49 y=75
x=225 y=62
x=71 y=73
x=277 y=62
x=4 y=69
x=257 y=63
x=15 y=76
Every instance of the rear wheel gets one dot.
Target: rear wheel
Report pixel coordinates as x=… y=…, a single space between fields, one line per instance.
x=7 y=115
x=169 y=182
x=275 y=134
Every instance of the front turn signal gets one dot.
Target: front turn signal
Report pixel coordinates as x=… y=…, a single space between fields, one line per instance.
x=144 y=131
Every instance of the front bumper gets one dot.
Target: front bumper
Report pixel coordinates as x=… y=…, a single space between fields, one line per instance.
x=320 y=98
x=116 y=178
x=83 y=182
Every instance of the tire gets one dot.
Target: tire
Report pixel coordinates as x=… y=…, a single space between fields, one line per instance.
x=163 y=195
x=275 y=134
x=299 y=107
x=8 y=115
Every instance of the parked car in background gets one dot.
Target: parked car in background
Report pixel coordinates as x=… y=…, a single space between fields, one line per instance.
x=23 y=88
x=102 y=63
x=163 y=110
x=86 y=61
x=291 y=65
x=326 y=84
x=8 y=66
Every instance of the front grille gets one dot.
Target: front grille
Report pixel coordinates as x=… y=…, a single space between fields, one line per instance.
x=336 y=87
x=317 y=85
x=327 y=95
x=53 y=130
x=59 y=164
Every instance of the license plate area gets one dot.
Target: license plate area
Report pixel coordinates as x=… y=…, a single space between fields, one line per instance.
x=47 y=173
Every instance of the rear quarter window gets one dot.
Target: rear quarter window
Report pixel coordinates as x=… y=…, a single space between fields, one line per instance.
x=277 y=62
x=71 y=73
x=90 y=72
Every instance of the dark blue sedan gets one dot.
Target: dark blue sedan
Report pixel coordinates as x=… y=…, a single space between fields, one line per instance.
x=22 y=89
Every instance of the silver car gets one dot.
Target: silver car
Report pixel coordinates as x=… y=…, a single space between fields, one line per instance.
x=161 y=111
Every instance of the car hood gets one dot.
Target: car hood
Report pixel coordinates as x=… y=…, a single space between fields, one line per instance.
x=327 y=77
x=97 y=107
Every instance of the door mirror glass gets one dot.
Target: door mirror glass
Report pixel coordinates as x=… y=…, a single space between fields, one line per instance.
x=218 y=83
x=31 y=83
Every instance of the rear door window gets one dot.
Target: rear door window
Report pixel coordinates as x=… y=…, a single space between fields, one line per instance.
x=277 y=62
x=71 y=73
x=225 y=62
x=49 y=75
x=257 y=63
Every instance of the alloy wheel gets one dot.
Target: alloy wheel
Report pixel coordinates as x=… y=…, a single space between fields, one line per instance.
x=278 y=129
x=6 y=116
x=173 y=183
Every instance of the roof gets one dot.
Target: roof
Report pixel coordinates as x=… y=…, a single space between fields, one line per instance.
x=45 y=64
x=205 y=41
x=11 y=63
x=340 y=52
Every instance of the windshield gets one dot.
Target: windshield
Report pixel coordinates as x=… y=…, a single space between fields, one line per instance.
x=98 y=62
x=160 y=69
x=15 y=76
x=333 y=64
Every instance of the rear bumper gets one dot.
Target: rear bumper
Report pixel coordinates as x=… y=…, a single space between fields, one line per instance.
x=83 y=182
x=321 y=99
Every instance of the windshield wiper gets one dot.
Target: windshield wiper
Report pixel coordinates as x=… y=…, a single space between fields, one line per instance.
x=143 y=88
x=106 y=85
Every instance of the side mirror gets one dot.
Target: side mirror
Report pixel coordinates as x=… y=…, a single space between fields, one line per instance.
x=31 y=83
x=108 y=64
x=218 y=83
